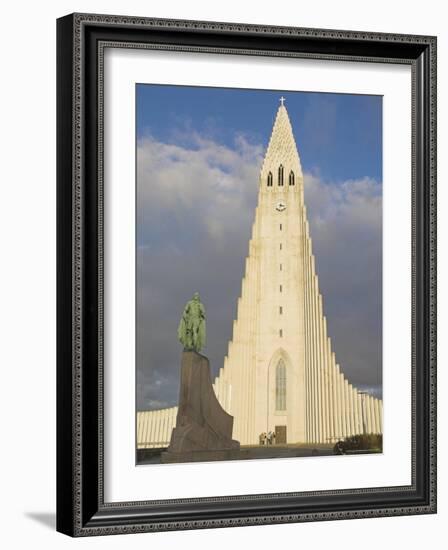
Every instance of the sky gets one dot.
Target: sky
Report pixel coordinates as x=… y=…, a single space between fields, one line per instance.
x=199 y=153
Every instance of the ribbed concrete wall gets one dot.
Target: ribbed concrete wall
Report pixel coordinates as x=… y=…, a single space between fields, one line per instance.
x=351 y=413
x=154 y=428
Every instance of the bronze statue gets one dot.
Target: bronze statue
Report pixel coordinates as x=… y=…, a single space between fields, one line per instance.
x=191 y=331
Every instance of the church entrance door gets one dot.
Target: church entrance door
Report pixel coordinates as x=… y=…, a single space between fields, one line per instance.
x=280 y=435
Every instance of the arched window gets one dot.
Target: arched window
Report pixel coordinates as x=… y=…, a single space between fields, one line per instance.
x=280 y=386
x=291 y=178
x=280 y=174
x=270 y=179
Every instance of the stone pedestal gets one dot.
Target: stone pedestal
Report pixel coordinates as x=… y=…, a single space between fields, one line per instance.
x=202 y=425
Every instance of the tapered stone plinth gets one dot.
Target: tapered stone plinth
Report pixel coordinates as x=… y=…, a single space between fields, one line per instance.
x=202 y=425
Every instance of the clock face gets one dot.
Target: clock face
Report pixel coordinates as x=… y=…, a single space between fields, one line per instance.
x=281 y=206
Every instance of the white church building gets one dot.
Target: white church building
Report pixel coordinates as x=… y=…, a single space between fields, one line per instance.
x=280 y=373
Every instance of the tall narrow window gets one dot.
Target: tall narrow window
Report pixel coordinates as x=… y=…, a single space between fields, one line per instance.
x=280 y=227
x=280 y=333
x=280 y=267
x=280 y=386
x=280 y=174
x=270 y=179
x=281 y=310
x=281 y=288
x=280 y=246
x=291 y=178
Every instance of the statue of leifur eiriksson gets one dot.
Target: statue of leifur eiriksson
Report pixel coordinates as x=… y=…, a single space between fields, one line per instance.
x=191 y=331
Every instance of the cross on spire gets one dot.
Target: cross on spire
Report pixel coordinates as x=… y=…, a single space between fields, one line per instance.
x=282 y=100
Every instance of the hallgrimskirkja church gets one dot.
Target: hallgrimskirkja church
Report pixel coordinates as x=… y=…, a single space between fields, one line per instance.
x=280 y=373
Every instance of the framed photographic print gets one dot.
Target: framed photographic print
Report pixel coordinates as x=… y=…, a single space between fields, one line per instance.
x=246 y=274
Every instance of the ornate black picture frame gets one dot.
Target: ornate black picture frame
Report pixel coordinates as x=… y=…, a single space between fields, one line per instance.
x=81 y=509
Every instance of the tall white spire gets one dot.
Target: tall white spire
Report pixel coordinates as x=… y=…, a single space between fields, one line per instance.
x=282 y=147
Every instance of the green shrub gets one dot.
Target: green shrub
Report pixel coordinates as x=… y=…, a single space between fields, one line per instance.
x=360 y=442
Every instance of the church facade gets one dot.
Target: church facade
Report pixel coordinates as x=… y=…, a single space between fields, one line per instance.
x=280 y=373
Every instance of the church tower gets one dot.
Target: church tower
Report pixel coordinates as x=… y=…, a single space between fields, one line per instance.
x=280 y=373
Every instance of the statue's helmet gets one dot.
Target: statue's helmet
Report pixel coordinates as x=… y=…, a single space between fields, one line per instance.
x=196 y=296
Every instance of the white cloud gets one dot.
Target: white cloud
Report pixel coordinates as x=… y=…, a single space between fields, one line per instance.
x=209 y=181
